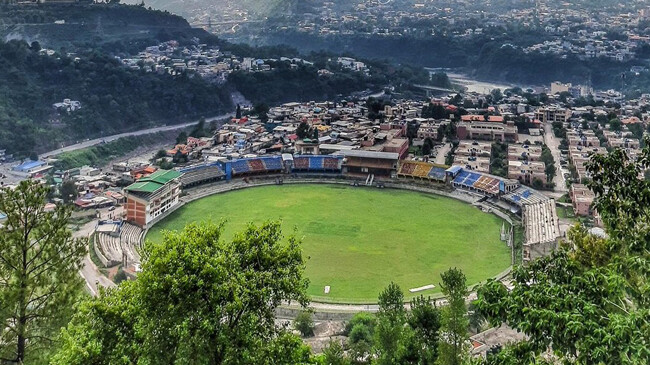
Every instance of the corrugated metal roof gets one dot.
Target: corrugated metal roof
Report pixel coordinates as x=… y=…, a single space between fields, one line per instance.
x=369 y=154
x=154 y=181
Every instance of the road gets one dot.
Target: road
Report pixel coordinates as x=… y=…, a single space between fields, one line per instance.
x=96 y=141
x=553 y=144
x=89 y=270
x=441 y=155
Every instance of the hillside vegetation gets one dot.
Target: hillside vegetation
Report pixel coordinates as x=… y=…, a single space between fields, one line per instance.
x=113 y=98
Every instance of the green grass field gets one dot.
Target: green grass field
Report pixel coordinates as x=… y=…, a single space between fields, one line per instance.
x=358 y=240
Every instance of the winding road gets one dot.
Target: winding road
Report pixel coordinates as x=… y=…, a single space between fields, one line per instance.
x=96 y=141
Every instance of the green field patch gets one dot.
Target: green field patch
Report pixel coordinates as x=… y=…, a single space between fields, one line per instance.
x=357 y=239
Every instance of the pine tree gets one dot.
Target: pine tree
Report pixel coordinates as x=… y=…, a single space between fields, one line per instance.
x=39 y=265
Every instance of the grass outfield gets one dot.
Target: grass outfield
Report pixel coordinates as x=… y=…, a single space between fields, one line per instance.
x=358 y=240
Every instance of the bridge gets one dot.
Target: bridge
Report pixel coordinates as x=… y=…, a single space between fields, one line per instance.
x=431 y=89
x=225 y=22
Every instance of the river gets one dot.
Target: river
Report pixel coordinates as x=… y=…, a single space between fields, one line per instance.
x=472 y=85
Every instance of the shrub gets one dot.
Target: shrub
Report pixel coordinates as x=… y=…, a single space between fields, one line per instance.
x=304 y=323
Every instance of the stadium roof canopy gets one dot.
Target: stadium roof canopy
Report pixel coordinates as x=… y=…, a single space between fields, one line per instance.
x=153 y=182
x=370 y=154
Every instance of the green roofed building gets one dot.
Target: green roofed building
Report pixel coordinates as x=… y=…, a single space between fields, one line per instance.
x=151 y=196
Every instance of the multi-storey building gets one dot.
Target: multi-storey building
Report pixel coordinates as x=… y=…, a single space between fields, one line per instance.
x=151 y=196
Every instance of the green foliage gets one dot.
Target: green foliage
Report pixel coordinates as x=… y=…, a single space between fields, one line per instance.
x=435 y=111
x=549 y=160
x=102 y=154
x=587 y=302
x=499 y=159
x=283 y=84
x=39 y=264
x=198 y=300
x=113 y=98
x=559 y=130
x=120 y=276
x=424 y=319
x=304 y=323
x=333 y=354
x=390 y=325
x=68 y=191
x=440 y=79
x=200 y=130
x=182 y=138
x=427 y=146
x=303 y=130
x=375 y=106
x=615 y=124
x=453 y=346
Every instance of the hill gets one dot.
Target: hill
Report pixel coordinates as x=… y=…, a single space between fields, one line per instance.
x=113 y=98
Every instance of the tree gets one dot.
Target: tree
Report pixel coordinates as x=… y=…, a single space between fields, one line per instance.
x=198 y=300
x=412 y=130
x=39 y=262
x=182 y=138
x=333 y=354
x=303 y=130
x=549 y=161
x=390 y=324
x=160 y=154
x=361 y=328
x=424 y=319
x=587 y=302
x=238 y=112
x=261 y=110
x=496 y=95
x=68 y=191
x=537 y=183
x=427 y=146
x=199 y=130
x=179 y=157
x=453 y=346
x=615 y=124
x=304 y=323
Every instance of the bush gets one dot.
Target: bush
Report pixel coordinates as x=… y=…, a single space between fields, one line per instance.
x=366 y=319
x=304 y=323
x=120 y=276
x=333 y=354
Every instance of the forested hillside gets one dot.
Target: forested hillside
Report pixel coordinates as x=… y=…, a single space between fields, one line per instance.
x=113 y=98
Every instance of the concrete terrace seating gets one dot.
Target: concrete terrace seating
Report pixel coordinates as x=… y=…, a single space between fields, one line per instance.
x=540 y=222
x=525 y=195
x=109 y=247
x=129 y=242
x=331 y=163
x=423 y=170
x=272 y=163
x=201 y=174
x=240 y=167
x=316 y=163
x=437 y=173
x=256 y=165
x=300 y=163
x=407 y=168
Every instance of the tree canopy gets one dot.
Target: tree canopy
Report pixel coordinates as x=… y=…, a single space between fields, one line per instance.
x=588 y=302
x=198 y=300
x=39 y=281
